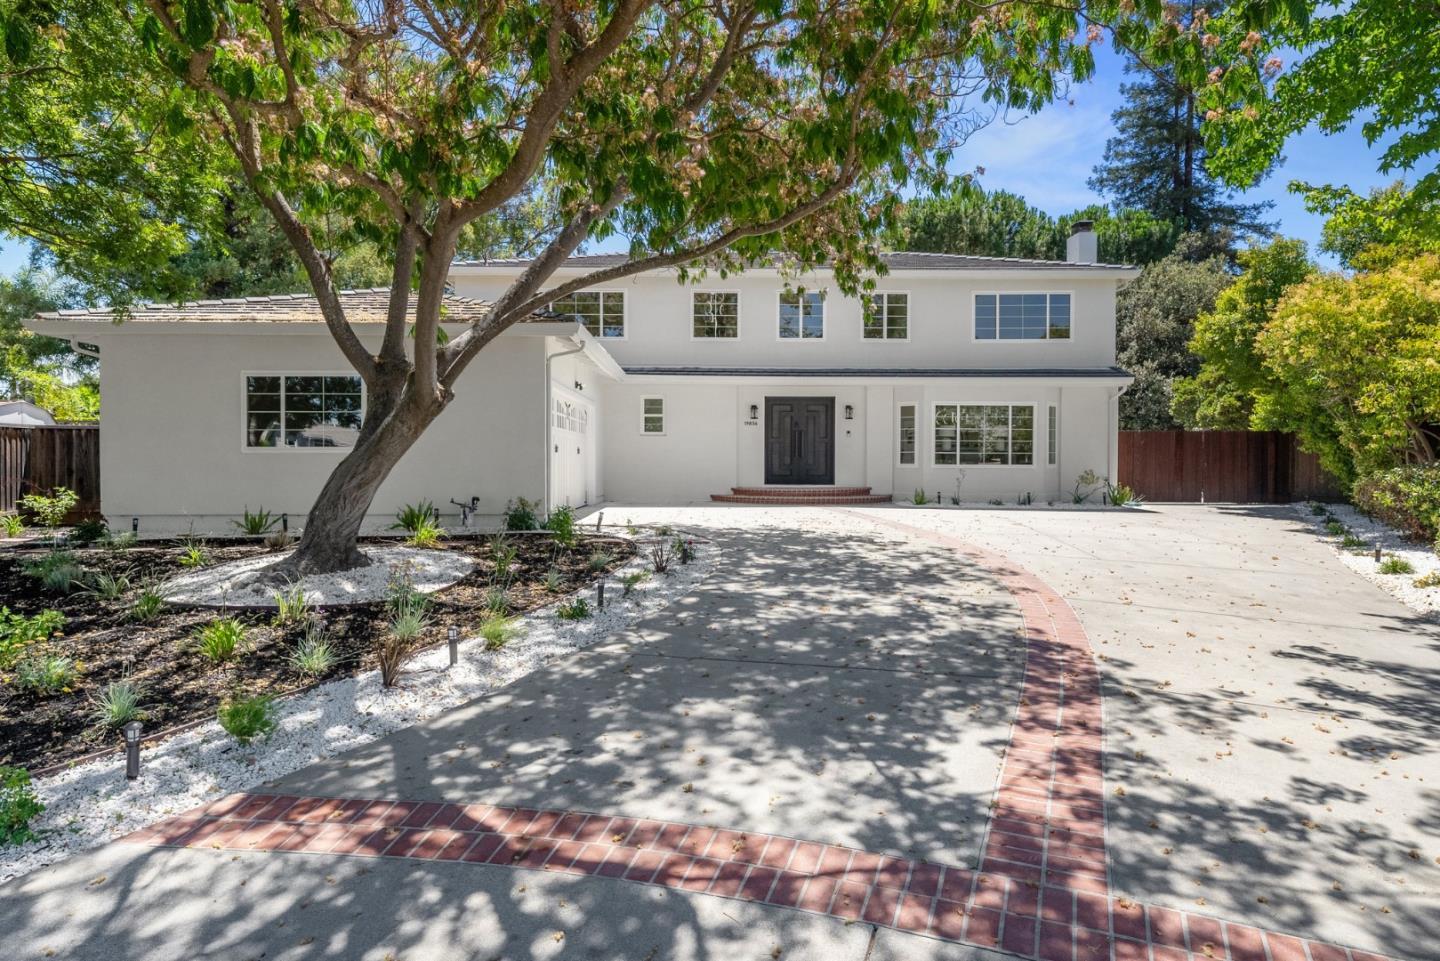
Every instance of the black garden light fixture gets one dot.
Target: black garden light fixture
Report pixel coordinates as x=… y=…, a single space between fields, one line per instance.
x=600 y=594
x=132 y=749
x=135 y=526
x=452 y=634
x=284 y=523
x=1377 y=553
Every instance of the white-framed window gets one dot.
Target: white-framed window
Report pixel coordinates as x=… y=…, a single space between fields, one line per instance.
x=887 y=315
x=1033 y=316
x=652 y=415
x=802 y=315
x=715 y=314
x=907 y=435
x=1052 y=437
x=601 y=311
x=571 y=417
x=984 y=434
x=302 y=410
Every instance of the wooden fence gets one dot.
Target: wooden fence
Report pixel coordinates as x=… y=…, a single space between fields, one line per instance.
x=40 y=459
x=1235 y=466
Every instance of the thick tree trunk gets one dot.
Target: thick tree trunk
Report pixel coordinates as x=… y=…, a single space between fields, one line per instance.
x=329 y=541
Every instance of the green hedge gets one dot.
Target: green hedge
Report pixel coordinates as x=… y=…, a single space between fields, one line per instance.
x=1406 y=498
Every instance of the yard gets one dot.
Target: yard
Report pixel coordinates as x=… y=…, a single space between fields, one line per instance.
x=74 y=635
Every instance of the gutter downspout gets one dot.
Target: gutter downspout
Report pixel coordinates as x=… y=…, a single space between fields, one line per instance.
x=550 y=417
x=1112 y=438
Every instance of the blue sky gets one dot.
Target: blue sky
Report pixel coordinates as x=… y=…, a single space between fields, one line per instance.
x=1047 y=157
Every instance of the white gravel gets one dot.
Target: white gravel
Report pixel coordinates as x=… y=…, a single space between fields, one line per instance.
x=237 y=583
x=1362 y=560
x=92 y=803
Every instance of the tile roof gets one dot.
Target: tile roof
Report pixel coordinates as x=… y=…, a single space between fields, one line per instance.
x=878 y=371
x=361 y=307
x=897 y=260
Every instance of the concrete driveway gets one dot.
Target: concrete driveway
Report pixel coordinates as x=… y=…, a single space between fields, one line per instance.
x=847 y=685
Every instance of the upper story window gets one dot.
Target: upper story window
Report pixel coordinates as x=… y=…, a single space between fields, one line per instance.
x=302 y=410
x=887 y=316
x=715 y=314
x=1022 y=316
x=984 y=434
x=601 y=311
x=802 y=315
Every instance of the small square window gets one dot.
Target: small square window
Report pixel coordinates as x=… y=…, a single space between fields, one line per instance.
x=715 y=314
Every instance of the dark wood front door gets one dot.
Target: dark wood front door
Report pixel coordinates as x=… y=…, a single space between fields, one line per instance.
x=799 y=440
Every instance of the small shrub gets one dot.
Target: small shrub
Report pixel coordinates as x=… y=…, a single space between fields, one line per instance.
x=247 y=718
x=497 y=601
x=504 y=554
x=221 y=640
x=277 y=540
x=520 y=515
x=1085 y=486
x=497 y=632
x=554 y=581
x=1318 y=509
x=147 y=605
x=57 y=571
x=1336 y=529
x=18 y=632
x=257 y=523
x=89 y=531
x=409 y=618
x=573 y=610
x=1352 y=542
x=291 y=605
x=50 y=510
x=662 y=555
x=194 y=555
x=118 y=703
x=18 y=806
x=599 y=560
x=663 y=530
x=105 y=586
x=1428 y=580
x=12 y=524
x=561 y=525
x=427 y=535
x=920 y=497
x=995 y=502
x=414 y=517
x=1396 y=565
x=1123 y=495
x=628 y=582
x=1405 y=498
x=401 y=594
x=48 y=674
x=410 y=622
x=314 y=656
x=118 y=542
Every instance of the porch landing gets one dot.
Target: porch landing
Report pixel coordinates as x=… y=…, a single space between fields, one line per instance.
x=801 y=495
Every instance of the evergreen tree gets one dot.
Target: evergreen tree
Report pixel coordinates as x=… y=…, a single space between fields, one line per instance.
x=968 y=220
x=1156 y=160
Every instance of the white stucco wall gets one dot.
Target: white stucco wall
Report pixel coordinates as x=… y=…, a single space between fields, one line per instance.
x=942 y=323
x=171 y=431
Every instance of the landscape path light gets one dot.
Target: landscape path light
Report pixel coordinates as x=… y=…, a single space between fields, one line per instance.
x=132 y=749
x=453 y=636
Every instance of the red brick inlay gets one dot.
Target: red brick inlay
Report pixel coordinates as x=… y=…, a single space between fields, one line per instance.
x=1042 y=890
x=1055 y=922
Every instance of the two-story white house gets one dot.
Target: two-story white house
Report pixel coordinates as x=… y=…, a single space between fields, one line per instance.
x=995 y=374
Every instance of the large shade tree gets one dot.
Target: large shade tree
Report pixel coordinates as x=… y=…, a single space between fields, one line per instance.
x=707 y=133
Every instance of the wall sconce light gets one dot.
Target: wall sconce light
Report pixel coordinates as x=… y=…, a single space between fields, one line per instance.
x=754 y=411
x=849 y=412
x=579 y=386
x=132 y=749
x=452 y=634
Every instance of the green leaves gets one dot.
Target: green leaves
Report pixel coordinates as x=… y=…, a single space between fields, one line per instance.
x=198 y=24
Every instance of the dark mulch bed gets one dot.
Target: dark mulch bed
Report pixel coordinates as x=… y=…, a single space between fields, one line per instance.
x=38 y=730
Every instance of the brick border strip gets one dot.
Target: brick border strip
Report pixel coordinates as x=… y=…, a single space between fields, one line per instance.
x=984 y=909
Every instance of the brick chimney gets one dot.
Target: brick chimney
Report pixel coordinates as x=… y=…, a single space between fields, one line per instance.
x=1082 y=247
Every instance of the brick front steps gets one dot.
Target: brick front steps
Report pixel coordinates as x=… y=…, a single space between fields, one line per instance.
x=806 y=496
